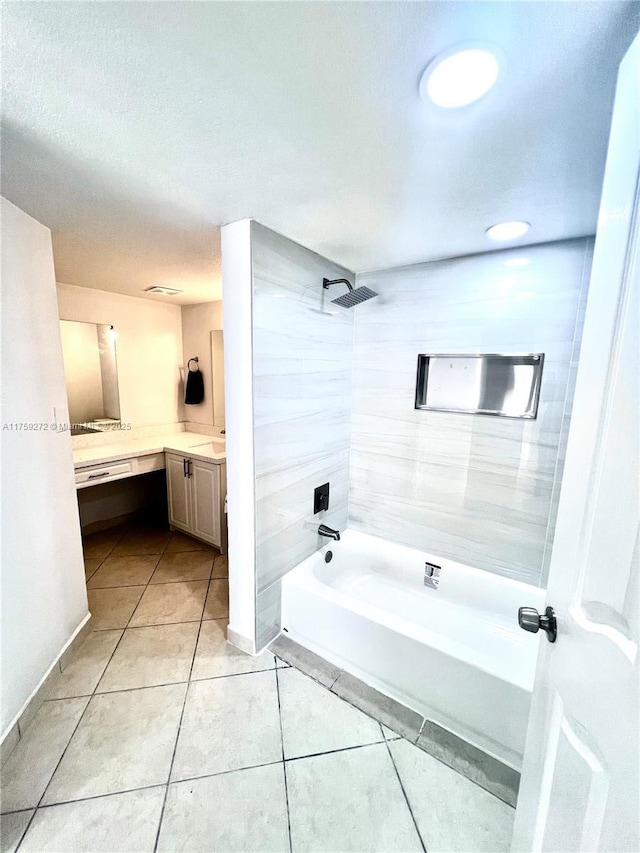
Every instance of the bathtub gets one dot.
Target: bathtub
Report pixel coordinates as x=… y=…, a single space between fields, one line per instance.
x=454 y=654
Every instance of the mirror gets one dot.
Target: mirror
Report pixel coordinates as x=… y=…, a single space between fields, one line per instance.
x=90 y=369
x=217 y=378
x=491 y=384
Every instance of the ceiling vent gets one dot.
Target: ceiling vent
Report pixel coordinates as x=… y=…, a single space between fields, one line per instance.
x=168 y=291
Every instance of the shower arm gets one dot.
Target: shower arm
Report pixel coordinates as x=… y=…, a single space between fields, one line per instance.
x=326 y=283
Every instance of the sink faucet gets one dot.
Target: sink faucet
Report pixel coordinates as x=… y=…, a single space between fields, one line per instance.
x=329 y=532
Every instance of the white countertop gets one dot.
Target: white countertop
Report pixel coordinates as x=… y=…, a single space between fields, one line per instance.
x=180 y=442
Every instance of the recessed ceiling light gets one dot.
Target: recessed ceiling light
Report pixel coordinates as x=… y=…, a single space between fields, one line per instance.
x=168 y=291
x=460 y=76
x=507 y=230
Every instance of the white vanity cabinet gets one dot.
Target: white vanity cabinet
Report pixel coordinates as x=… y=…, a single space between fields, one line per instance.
x=196 y=491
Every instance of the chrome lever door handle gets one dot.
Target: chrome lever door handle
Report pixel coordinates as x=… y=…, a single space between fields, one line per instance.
x=530 y=620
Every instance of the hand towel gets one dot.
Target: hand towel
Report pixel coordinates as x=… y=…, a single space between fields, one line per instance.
x=194 y=390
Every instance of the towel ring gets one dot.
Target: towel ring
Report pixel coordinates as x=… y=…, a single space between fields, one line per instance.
x=197 y=370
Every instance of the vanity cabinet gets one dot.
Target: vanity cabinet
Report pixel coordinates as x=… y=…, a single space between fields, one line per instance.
x=196 y=492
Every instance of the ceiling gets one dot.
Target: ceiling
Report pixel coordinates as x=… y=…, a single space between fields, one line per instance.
x=134 y=130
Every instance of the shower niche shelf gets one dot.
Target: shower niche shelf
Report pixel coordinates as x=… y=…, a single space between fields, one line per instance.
x=506 y=386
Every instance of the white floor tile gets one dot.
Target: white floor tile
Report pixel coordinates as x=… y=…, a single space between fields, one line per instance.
x=215 y=657
x=87 y=665
x=349 y=801
x=228 y=723
x=160 y=654
x=112 y=608
x=314 y=720
x=183 y=566
x=453 y=814
x=123 y=571
x=27 y=771
x=167 y=603
x=126 y=823
x=217 y=604
x=250 y=813
x=125 y=741
x=11 y=828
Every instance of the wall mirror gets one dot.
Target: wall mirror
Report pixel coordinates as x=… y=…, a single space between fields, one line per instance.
x=489 y=384
x=90 y=369
x=217 y=377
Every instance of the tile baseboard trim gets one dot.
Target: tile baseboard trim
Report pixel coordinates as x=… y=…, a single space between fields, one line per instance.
x=245 y=644
x=108 y=523
x=9 y=742
x=471 y=762
x=79 y=636
x=394 y=715
x=486 y=771
x=306 y=661
x=22 y=720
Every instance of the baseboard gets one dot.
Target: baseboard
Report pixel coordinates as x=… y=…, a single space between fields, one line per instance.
x=22 y=720
x=479 y=767
x=245 y=644
x=108 y=523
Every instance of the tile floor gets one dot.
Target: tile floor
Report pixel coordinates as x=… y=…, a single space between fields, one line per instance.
x=160 y=736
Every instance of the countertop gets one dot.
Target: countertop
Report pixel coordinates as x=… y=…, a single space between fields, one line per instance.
x=180 y=442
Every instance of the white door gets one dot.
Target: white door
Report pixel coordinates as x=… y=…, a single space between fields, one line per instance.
x=580 y=781
x=178 y=492
x=205 y=516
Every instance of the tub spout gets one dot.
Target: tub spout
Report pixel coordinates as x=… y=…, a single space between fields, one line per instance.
x=329 y=532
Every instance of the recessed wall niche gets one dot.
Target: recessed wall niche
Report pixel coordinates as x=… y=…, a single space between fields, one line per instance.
x=506 y=386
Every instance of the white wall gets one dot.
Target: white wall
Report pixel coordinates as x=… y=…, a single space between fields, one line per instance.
x=44 y=598
x=148 y=349
x=198 y=321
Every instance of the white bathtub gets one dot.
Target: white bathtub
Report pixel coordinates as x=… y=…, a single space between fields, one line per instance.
x=455 y=655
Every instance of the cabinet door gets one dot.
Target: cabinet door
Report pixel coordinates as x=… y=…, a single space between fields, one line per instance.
x=205 y=516
x=178 y=493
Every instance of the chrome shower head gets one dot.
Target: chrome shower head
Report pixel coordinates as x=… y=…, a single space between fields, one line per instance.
x=353 y=297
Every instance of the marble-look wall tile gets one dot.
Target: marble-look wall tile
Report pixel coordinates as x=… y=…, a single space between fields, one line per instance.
x=302 y=357
x=475 y=488
x=268 y=608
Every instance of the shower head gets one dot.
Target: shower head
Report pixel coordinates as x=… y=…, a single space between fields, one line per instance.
x=353 y=297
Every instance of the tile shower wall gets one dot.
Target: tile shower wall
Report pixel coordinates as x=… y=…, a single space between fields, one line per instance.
x=302 y=350
x=479 y=489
